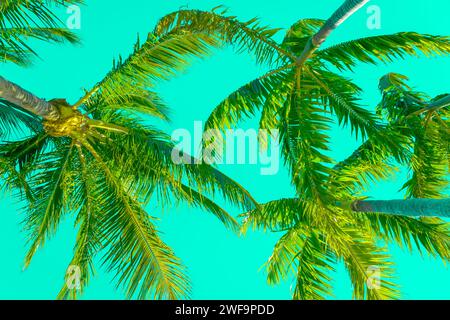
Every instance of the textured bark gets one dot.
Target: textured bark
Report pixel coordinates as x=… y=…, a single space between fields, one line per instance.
x=15 y=94
x=347 y=9
x=409 y=207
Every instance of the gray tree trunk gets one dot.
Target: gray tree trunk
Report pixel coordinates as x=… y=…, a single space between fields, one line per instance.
x=408 y=207
x=347 y=9
x=439 y=104
x=13 y=93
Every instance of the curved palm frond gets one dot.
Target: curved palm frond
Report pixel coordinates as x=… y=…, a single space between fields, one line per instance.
x=429 y=164
x=429 y=234
x=304 y=140
x=361 y=257
x=298 y=35
x=152 y=154
x=374 y=161
x=429 y=161
x=280 y=215
x=17 y=162
x=50 y=186
x=15 y=120
x=143 y=263
x=248 y=100
x=313 y=273
x=130 y=84
x=23 y=20
x=384 y=48
x=281 y=263
x=88 y=242
x=341 y=96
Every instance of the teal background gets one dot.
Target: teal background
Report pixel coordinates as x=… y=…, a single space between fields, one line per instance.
x=221 y=265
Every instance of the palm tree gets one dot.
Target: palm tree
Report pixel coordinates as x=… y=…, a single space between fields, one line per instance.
x=23 y=20
x=301 y=96
x=100 y=160
x=316 y=238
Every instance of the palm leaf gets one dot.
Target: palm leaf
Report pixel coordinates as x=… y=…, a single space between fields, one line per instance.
x=23 y=20
x=143 y=263
x=157 y=59
x=304 y=139
x=14 y=120
x=248 y=100
x=384 y=48
x=431 y=234
x=361 y=256
x=88 y=241
x=249 y=35
x=314 y=265
x=429 y=164
x=300 y=33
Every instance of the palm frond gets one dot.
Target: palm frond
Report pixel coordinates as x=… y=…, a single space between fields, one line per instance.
x=143 y=263
x=429 y=234
x=279 y=215
x=15 y=120
x=249 y=36
x=300 y=33
x=248 y=100
x=146 y=156
x=304 y=140
x=370 y=163
x=23 y=20
x=384 y=48
x=157 y=59
x=198 y=199
x=429 y=164
x=315 y=262
x=399 y=100
x=50 y=185
x=281 y=263
x=18 y=163
x=88 y=241
x=23 y=153
x=341 y=96
x=135 y=102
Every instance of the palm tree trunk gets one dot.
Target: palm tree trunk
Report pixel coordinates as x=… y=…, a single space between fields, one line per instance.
x=348 y=8
x=13 y=93
x=439 y=104
x=410 y=207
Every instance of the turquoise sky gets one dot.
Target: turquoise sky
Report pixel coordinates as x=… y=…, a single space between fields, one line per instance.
x=221 y=265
